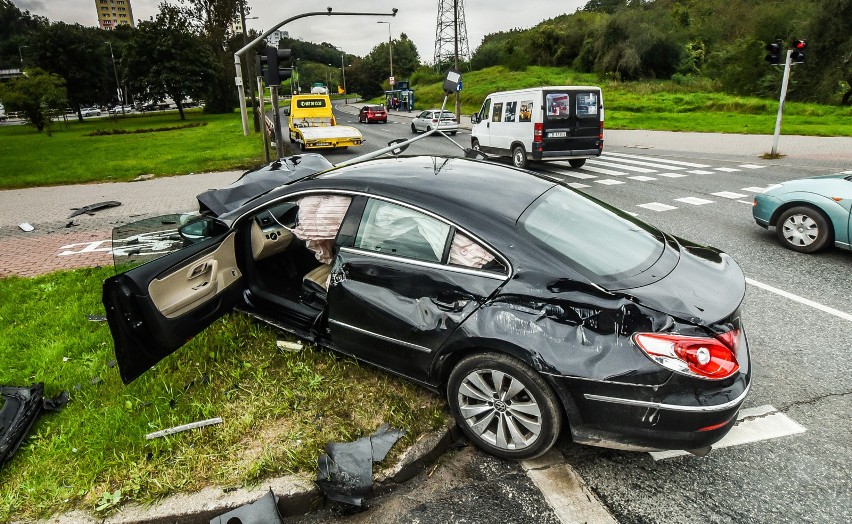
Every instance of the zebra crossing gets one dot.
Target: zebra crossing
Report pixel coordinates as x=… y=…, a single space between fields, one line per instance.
x=615 y=169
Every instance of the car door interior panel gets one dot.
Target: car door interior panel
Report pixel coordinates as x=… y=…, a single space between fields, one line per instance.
x=184 y=289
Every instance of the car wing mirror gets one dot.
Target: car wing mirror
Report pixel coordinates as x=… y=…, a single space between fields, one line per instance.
x=200 y=229
x=398 y=150
x=474 y=118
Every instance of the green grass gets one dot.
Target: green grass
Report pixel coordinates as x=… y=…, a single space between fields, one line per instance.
x=71 y=155
x=690 y=105
x=279 y=408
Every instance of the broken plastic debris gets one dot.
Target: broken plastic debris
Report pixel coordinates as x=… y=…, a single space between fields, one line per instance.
x=346 y=469
x=185 y=427
x=21 y=406
x=91 y=208
x=26 y=226
x=289 y=346
x=262 y=511
x=96 y=318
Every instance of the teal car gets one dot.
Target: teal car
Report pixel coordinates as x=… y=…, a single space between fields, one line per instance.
x=808 y=214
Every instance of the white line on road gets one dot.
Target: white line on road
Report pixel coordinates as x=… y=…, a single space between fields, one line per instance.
x=564 y=490
x=801 y=300
x=753 y=425
x=656 y=206
x=622 y=166
x=729 y=194
x=655 y=159
x=604 y=171
x=695 y=201
x=639 y=163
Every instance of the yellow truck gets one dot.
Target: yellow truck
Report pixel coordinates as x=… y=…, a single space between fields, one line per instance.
x=312 y=124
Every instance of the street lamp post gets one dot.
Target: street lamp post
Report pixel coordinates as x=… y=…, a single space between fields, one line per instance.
x=328 y=79
x=114 y=70
x=21 y=53
x=390 y=46
x=256 y=117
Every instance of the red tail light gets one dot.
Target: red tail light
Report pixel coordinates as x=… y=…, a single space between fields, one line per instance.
x=538 y=132
x=601 y=133
x=702 y=357
x=333 y=122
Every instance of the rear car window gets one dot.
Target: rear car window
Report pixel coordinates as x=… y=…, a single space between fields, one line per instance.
x=557 y=106
x=587 y=104
x=395 y=230
x=597 y=242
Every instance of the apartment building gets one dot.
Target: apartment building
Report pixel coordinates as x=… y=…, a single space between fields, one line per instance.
x=113 y=13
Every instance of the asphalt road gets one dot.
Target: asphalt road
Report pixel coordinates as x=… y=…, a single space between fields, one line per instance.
x=799 y=357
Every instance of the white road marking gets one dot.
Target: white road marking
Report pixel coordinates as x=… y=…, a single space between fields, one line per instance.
x=672 y=175
x=746 y=202
x=577 y=185
x=655 y=159
x=801 y=300
x=602 y=171
x=753 y=425
x=752 y=166
x=572 y=173
x=755 y=189
x=729 y=194
x=695 y=201
x=564 y=491
x=656 y=206
x=622 y=166
x=639 y=163
x=642 y=178
x=726 y=169
x=700 y=172
x=609 y=182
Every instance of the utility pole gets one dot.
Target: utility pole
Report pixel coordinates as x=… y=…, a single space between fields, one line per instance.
x=456 y=38
x=781 y=100
x=248 y=67
x=114 y=70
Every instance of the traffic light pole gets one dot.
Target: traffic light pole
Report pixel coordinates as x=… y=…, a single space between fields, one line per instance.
x=264 y=132
x=237 y=56
x=783 y=97
x=276 y=117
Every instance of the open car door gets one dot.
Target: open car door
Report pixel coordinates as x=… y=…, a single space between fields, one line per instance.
x=188 y=278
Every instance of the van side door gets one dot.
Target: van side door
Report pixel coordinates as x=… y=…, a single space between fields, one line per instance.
x=481 y=131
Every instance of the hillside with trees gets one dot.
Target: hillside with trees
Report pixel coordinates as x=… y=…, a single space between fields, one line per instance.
x=721 y=40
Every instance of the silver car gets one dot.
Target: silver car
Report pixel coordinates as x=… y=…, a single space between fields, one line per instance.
x=428 y=120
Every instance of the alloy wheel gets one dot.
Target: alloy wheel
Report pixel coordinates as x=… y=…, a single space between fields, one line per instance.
x=500 y=409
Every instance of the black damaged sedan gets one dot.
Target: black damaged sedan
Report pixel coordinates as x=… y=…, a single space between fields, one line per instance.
x=534 y=308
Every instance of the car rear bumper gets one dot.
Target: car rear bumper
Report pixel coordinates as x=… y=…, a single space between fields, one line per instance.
x=535 y=154
x=643 y=418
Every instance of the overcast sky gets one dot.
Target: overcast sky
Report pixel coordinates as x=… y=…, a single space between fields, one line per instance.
x=357 y=35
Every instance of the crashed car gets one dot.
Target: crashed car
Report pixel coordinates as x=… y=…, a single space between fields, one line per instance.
x=535 y=308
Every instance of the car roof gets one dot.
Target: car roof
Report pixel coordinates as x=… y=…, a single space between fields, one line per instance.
x=454 y=188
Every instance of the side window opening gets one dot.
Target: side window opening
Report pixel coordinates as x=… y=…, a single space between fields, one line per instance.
x=511 y=110
x=465 y=252
x=498 y=112
x=485 y=112
x=399 y=231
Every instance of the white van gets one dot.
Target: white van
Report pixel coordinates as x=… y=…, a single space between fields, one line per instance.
x=541 y=123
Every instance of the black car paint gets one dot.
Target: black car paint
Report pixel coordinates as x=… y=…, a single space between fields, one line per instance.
x=574 y=331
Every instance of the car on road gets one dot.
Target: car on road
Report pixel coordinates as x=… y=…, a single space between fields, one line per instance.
x=90 y=111
x=374 y=113
x=117 y=110
x=533 y=309
x=429 y=120
x=808 y=214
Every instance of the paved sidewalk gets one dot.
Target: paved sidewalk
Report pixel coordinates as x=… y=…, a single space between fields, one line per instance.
x=52 y=246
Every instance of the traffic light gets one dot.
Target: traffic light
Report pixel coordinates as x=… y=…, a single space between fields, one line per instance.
x=271 y=65
x=774 y=50
x=798 y=54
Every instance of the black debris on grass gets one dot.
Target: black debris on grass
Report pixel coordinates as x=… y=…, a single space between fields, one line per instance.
x=91 y=208
x=346 y=469
x=21 y=407
x=263 y=511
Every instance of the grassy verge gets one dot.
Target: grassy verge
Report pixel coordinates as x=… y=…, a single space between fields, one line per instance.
x=92 y=151
x=691 y=105
x=279 y=408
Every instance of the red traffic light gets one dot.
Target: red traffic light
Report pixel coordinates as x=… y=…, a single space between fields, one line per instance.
x=800 y=44
x=799 y=47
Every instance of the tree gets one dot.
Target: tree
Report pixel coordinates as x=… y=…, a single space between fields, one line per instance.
x=214 y=19
x=15 y=30
x=828 y=69
x=38 y=95
x=80 y=55
x=165 y=58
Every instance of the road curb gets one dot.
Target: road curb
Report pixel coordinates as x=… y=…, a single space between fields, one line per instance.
x=297 y=495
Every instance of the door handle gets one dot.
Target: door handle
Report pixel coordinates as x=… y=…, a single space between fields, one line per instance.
x=451 y=302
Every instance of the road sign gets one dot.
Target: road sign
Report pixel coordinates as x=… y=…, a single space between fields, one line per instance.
x=392 y=80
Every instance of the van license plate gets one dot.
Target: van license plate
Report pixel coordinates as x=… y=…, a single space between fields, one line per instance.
x=557 y=134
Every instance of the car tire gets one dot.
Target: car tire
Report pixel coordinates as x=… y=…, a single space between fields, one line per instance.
x=519 y=157
x=413 y=129
x=453 y=133
x=477 y=392
x=474 y=144
x=428 y=128
x=577 y=162
x=302 y=146
x=803 y=229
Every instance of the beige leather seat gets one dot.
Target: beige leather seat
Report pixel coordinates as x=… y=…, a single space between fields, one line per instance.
x=319 y=275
